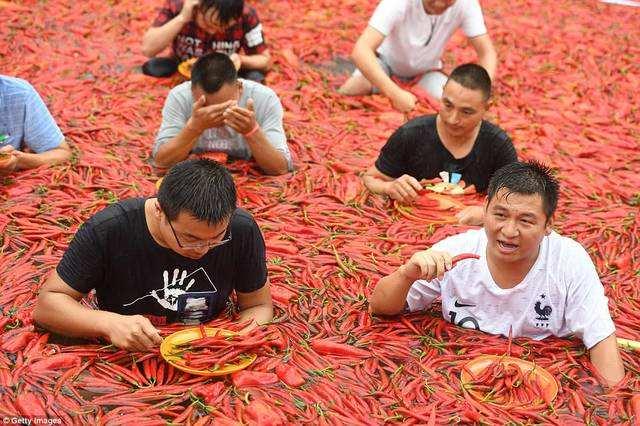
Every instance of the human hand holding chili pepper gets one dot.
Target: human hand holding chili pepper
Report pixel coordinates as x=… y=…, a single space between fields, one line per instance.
x=403 y=189
x=8 y=159
x=427 y=265
x=242 y=120
x=403 y=100
x=133 y=333
x=430 y=264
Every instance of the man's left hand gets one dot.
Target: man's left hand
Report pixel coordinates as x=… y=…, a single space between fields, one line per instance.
x=242 y=120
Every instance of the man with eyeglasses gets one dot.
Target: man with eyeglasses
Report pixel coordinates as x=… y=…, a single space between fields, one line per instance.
x=174 y=258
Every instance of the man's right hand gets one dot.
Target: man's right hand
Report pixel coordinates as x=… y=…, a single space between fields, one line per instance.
x=403 y=189
x=187 y=11
x=427 y=265
x=8 y=160
x=403 y=101
x=206 y=117
x=133 y=333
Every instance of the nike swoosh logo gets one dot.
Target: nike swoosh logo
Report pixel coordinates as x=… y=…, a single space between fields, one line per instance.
x=461 y=305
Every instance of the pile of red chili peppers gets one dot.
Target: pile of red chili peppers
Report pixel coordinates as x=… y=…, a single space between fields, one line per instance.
x=567 y=92
x=506 y=385
x=216 y=351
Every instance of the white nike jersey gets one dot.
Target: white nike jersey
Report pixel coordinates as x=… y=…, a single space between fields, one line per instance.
x=561 y=295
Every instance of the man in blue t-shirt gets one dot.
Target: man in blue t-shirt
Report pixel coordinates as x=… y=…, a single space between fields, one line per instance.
x=25 y=122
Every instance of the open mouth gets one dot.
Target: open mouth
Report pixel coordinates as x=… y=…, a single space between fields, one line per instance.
x=506 y=247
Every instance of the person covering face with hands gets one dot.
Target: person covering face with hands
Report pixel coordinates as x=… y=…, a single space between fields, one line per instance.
x=217 y=112
x=527 y=277
x=456 y=140
x=175 y=258
x=406 y=39
x=197 y=27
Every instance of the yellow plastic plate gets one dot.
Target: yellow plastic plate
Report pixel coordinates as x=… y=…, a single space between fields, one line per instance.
x=547 y=382
x=184 y=67
x=190 y=334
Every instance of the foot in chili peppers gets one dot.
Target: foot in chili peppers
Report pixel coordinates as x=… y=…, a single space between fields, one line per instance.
x=174 y=258
x=528 y=276
x=456 y=140
x=26 y=121
x=216 y=111
x=198 y=27
x=395 y=44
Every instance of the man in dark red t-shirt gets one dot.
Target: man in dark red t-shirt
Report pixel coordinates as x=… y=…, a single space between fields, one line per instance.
x=194 y=28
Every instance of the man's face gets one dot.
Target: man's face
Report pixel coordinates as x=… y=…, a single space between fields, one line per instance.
x=228 y=92
x=515 y=225
x=461 y=109
x=209 y=21
x=191 y=237
x=436 y=7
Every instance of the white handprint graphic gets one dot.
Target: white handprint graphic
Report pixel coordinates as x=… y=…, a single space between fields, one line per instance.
x=172 y=289
x=179 y=283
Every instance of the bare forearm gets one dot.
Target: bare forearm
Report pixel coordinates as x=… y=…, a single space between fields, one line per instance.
x=62 y=314
x=255 y=62
x=374 y=184
x=605 y=356
x=158 y=38
x=178 y=148
x=390 y=295
x=258 y=315
x=489 y=60
x=366 y=61
x=270 y=160
x=54 y=156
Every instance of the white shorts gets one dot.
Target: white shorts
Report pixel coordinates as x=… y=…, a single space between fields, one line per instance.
x=432 y=81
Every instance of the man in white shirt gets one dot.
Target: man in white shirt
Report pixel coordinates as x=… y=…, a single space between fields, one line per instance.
x=406 y=38
x=527 y=277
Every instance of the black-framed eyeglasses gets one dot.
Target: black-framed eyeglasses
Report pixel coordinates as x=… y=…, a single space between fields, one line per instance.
x=199 y=244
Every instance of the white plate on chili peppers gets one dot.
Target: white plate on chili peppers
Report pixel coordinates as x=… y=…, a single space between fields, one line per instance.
x=170 y=353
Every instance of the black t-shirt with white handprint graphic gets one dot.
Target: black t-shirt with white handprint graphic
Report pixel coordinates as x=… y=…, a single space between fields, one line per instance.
x=114 y=253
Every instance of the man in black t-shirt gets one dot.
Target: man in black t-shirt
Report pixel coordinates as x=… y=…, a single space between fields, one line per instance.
x=177 y=257
x=456 y=140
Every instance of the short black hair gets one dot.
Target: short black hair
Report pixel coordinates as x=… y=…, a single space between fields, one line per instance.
x=227 y=9
x=203 y=188
x=530 y=177
x=474 y=77
x=212 y=71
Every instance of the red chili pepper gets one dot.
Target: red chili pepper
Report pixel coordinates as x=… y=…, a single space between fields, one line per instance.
x=329 y=347
x=290 y=375
x=56 y=362
x=30 y=405
x=253 y=378
x=463 y=256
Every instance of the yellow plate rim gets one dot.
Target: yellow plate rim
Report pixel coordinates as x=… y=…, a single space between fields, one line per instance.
x=184 y=67
x=484 y=360
x=193 y=333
